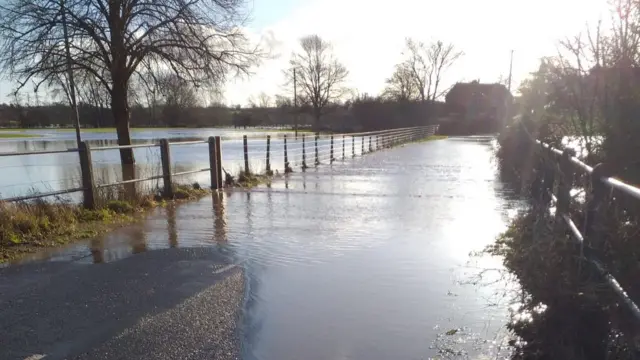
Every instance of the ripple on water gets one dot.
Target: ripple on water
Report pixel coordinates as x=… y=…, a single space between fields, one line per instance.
x=358 y=259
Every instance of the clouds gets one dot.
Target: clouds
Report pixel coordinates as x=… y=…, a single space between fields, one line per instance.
x=368 y=36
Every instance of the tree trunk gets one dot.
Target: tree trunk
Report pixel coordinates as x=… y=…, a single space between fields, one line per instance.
x=119 y=93
x=120 y=109
x=316 y=121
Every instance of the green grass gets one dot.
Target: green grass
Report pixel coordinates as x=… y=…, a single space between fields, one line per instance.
x=16 y=136
x=26 y=227
x=107 y=130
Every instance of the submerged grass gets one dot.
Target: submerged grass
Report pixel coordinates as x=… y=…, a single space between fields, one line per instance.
x=431 y=138
x=26 y=227
x=250 y=180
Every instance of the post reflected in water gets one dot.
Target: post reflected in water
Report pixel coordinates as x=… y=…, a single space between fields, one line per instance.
x=270 y=208
x=97 y=250
x=138 y=240
x=219 y=219
x=171 y=225
x=249 y=213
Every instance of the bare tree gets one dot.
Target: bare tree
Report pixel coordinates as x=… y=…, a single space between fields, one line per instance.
x=417 y=65
x=199 y=40
x=401 y=85
x=283 y=101
x=319 y=75
x=146 y=89
x=264 y=100
x=427 y=64
x=92 y=93
x=441 y=56
x=179 y=98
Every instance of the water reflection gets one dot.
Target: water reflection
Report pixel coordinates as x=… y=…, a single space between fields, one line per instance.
x=97 y=250
x=171 y=225
x=51 y=172
x=219 y=222
x=358 y=260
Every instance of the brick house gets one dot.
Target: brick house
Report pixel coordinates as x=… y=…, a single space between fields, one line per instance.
x=475 y=101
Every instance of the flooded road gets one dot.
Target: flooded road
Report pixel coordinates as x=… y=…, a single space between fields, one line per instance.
x=362 y=259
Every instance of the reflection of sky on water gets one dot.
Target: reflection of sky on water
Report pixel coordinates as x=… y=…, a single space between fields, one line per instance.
x=363 y=259
x=50 y=172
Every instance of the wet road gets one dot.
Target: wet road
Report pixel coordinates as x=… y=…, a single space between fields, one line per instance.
x=363 y=259
x=166 y=304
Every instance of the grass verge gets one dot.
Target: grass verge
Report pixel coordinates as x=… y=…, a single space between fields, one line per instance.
x=26 y=227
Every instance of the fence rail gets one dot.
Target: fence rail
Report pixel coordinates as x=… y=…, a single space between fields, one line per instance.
x=312 y=148
x=562 y=165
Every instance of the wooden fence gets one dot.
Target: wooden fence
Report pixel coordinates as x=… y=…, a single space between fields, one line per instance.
x=328 y=152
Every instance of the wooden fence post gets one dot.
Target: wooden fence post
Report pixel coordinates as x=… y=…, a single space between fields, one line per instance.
x=213 y=164
x=219 y=161
x=362 y=146
x=268 y=155
x=287 y=168
x=342 y=147
x=316 y=145
x=86 y=169
x=370 y=148
x=353 y=146
x=331 y=155
x=304 y=153
x=377 y=142
x=246 y=154
x=165 y=159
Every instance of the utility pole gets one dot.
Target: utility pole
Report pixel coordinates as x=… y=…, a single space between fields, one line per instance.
x=71 y=84
x=295 y=102
x=510 y=70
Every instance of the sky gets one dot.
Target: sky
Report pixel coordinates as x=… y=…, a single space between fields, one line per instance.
x=368 y=37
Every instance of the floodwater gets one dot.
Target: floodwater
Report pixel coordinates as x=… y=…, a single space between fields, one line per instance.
x=367 y=258
x=51 y=172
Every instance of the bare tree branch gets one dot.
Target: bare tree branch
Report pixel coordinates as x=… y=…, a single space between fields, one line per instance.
x=427 y=64
x=200 y=41
x=319 y=75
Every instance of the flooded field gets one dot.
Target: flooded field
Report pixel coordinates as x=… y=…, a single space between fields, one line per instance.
x=368 y=258
x=51 y=172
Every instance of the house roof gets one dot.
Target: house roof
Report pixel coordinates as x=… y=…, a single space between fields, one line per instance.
x=465 y=92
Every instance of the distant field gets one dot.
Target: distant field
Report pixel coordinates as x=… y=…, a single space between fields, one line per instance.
x=113 y=130
x=91 y=130
x=16 y=136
